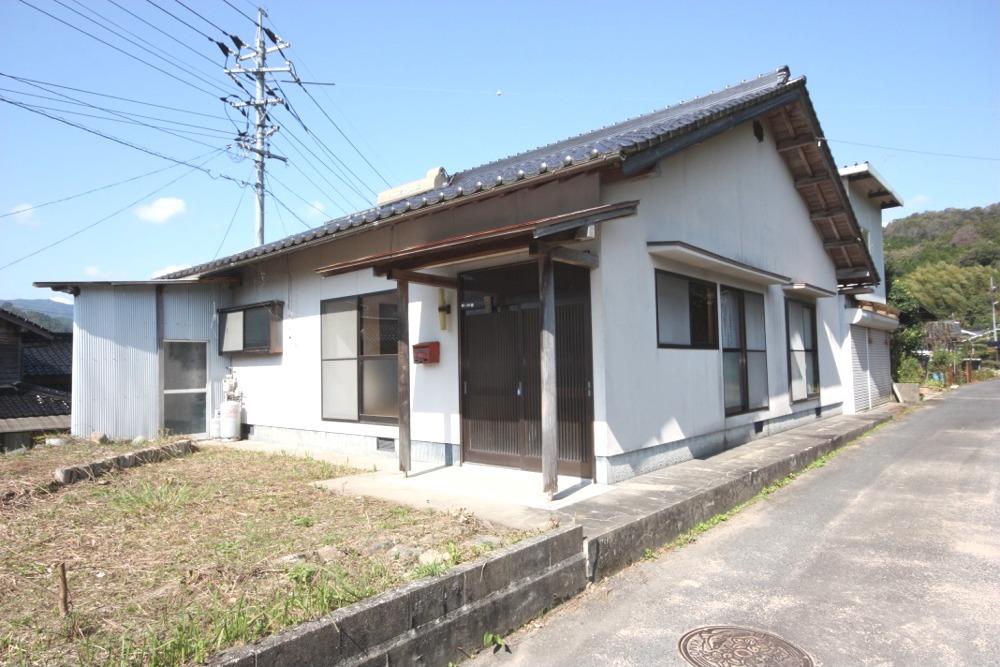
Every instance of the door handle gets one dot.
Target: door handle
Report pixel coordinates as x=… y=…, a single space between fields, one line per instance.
x=520 y=389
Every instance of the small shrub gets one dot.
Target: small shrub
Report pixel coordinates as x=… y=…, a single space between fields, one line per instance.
x=910 y=370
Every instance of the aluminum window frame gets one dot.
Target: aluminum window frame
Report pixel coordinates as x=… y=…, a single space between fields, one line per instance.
x=359 y=359
x=714 y=345
x=744 y=407
x=811 y=305
x=276 y=314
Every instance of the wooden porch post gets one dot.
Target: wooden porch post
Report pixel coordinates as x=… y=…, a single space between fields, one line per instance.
x=547 y=349
x=403 y=363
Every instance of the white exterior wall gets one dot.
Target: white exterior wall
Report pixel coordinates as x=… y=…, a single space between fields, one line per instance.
x=734 y=197
x=115 y=363
x=283 y=391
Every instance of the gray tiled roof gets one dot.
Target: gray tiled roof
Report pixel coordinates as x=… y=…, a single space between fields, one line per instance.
x=613 y=141
x=25 y=400
x=49 y=358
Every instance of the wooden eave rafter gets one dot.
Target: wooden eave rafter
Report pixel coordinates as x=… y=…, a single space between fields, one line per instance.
x=798 y=136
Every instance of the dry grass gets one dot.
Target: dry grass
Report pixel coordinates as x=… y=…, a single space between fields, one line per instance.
x=170 y=562
x=25 y=475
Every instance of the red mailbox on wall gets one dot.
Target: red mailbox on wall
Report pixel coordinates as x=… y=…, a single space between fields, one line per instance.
x=427 y=353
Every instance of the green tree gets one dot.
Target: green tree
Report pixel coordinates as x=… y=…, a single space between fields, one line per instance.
x=950 y=292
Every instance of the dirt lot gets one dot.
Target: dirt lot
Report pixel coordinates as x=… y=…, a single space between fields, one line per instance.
x=170 y=562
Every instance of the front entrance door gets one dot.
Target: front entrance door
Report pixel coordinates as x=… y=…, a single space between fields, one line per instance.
x=501 y=379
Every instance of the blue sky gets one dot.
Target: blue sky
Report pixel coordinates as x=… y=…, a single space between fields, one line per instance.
x=452 y=84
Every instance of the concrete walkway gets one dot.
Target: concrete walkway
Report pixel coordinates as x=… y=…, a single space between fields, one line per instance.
x=888 y=555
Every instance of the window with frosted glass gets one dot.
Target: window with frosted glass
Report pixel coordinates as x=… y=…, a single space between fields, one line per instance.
x=185 y=387
x=744 y=350
x=358 y=362
x=803 y=357
x=686 y=312
x=254 y=328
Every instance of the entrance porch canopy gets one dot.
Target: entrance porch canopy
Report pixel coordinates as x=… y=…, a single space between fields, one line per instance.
x=542 y=236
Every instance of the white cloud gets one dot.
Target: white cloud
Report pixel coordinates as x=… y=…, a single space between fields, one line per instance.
x=169 y=269
x=62 y=299
x=161 y=209
x=24 y=216
x=317 y=212
x=91 y=271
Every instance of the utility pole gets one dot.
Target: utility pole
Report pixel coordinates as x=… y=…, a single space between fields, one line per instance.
x=263 y=98
x=993 y=310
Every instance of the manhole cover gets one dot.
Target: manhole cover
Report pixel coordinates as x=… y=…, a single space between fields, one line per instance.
x=729 y=646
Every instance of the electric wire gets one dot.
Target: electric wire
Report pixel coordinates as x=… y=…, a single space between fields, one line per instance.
x=120 y=50
x=243 y=192
x=102 y=187
x=177 y=18
x=187 y=68
x=347 y=200
x=124 y=142
x=318 y=187
x=113 y=112
x=202 y=17
x=164 y=33
x=299 y=197
x=114 y=97
x=227 y=133
x=282 y=204
x=281 y=218
x=241 y=12
x=107 y=217
x=918 y=152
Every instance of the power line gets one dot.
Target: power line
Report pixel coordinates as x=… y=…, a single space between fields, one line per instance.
x=103 y=187
x=120 y=50
x=243 y=192
x=169 y=58
x=241 y=12
x=114 y=97
x=123 y=142
x=177 y=18
x=281 y=218
x=316 y=185
x=202 y=17
x=282 y=204
x=107 y=217
x=113 y=112
x=288 y=133
x=918 y=152
x=126 y=113
x=297 y=195
x=164 y=33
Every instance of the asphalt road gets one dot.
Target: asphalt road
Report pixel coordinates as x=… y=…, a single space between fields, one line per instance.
x=888 y=555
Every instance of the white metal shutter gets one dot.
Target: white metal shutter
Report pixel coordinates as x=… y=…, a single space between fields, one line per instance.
x=878 y=367
x=859 y=367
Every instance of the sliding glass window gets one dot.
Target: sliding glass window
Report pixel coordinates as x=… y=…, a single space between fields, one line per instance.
x=358 y=358
x=686 y=312
x=744 y=351
x=803 y=357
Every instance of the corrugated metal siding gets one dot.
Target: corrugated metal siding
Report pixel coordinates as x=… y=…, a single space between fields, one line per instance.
x=859 y=367
x=116 y=363
x=879 y=372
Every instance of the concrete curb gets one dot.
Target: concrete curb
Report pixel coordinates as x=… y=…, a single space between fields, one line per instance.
x=623 y=545
x=72 y=474
x=437 y=620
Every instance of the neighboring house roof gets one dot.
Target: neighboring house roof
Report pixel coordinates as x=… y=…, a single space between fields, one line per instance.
x=871 y=182
x=49 y=358
x=25 y=324
x=21 y=400
x=635 y=144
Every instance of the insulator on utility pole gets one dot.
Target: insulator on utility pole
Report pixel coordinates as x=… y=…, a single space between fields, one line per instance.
x=263 y=128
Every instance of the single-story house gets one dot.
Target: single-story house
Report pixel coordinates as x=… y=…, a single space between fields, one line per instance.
x=635 y=296
x=35 y=364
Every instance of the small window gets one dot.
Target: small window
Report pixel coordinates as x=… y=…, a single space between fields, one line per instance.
x=254 y=328
x=686 y=312
x=744 y=351
x=359 y=337
x=803 y=356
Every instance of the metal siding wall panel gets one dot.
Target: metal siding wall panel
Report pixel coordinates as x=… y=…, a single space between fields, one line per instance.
x=879 y=370
x=191 y=313
x=859 y=367
x=115 y=363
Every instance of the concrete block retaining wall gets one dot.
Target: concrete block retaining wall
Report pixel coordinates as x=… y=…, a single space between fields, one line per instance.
x=76 y=473
x=437 y=620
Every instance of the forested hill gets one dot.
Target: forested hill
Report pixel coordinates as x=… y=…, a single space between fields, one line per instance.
x=962 y=236
x=939 y=264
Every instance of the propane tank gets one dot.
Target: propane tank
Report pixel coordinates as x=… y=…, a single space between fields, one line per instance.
x=229 y=420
